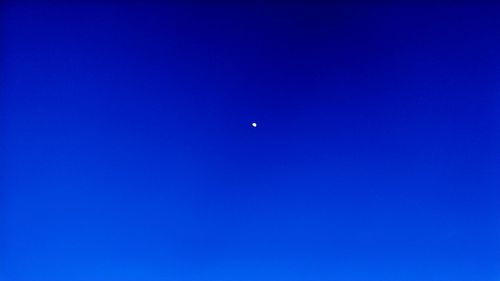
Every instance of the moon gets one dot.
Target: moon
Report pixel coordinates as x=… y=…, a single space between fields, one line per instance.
x=254 y=125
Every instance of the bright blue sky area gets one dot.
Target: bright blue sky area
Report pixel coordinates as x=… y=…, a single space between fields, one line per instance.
x=129 y=153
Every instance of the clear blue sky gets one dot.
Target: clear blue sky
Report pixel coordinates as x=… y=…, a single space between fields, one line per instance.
x=129 y=155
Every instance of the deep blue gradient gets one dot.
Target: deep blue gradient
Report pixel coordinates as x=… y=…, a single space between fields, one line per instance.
x=129 y=154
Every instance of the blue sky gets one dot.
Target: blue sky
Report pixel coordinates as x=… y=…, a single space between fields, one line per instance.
x=130 y=155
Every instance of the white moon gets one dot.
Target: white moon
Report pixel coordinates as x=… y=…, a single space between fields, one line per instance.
x=254 y=124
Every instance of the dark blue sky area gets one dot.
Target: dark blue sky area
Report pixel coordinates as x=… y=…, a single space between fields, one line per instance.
x=129 y=154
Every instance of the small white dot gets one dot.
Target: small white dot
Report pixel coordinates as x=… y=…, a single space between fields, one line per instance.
x=254 y=125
